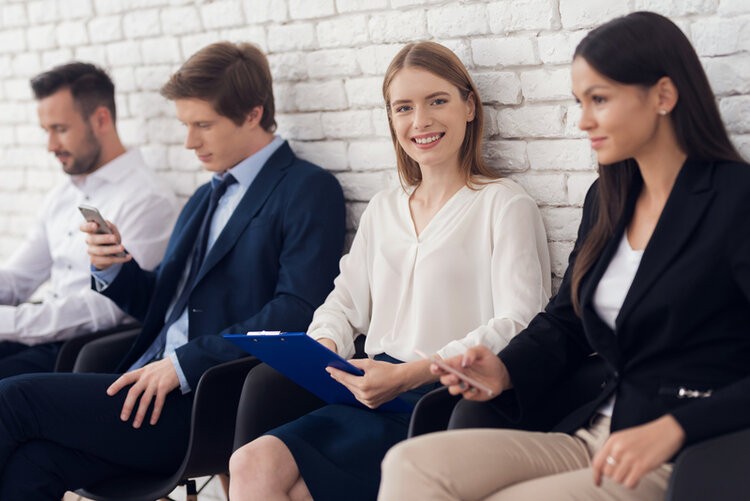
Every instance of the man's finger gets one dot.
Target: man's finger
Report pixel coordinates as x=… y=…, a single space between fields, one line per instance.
x=127 y=408
x=158 y=406
x=145 y=401
x=121 y=382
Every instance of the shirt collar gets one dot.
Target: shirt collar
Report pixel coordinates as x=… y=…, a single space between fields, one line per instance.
x=112 y=172
x=246 y=171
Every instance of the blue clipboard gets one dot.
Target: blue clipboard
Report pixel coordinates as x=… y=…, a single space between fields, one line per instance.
x=304 y=360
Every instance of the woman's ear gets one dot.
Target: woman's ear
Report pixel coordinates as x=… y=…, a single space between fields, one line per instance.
x=667 y=95
x=471 y=107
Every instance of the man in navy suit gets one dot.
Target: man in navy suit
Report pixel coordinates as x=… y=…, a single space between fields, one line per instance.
x=256 y=248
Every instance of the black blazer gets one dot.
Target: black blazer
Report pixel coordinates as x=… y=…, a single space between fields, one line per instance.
x=272 y=265
x=681 y=343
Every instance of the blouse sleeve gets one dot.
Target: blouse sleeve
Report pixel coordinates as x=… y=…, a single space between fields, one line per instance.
x=520 y=277
x=346 y=311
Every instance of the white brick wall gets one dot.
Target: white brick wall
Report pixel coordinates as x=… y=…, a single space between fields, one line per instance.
x=328 y=58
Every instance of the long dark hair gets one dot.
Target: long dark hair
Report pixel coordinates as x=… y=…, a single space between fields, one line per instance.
x=640 y=49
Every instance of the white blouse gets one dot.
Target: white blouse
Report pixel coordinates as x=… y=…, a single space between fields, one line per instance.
x=612 y=289
x=476 y=274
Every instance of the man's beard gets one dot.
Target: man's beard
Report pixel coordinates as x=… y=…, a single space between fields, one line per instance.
x=88 y=161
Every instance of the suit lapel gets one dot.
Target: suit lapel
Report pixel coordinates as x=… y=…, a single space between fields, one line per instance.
x=256 y=195
x=683 y=211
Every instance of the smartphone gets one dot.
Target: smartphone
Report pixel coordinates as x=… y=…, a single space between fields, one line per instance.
x=473 y=382
x=92 y=215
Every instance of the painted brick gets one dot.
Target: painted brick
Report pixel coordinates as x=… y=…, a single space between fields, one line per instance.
x=562 y=154
x=735 y=111
x=320 y=96
x=546 y=189
x=506 y=156
x=380 y=122
x=398 y=26
x=559 y=254
x=503 y=51
x=31 y=135
x=561 y=222
x=288 y=66
x=155 y=156
x=572 y=118
x=76 y=9
x=457 y=21
x=372 y=155
x=160 y=50
x=291 y=37
x=308 y=9
x=255 y=35
x=578 y=185
x=260 y=11
x=331 y=155
x=676 y=8
x=498 y=87
x=96 y=54
x=461 y=47
x=54 y=57
x=354 y=212
x=343 y=6
x=44 y=11
x=742 y=143
x=190 y=44
x=151 y=78
x=12 y=41
x=133 y=131
x=719 y=36
x=397 y=4
x=149 y=105
x=531 y=121
x=41 y=37
x=72 y=33
x=374 y=59
x=490 y=122
x=348 y=124
x=364 y=92
x=587 y=13
x=141 y=23
x=332 y=63
x=301 y=126
x=284 y=97
x=182 y=159
x=14 y=15
x=729 y=74
x=123 y=78
x=342 y=32
x=123 y=53
x=520 y=15
x=164 y=130
x=222 y=14
x=179 y=20
x=727 y=7
x=18 y=89
x=105 y=29
x=546 y=85
x=26 y=64
x=361 y=186
x=559 y=47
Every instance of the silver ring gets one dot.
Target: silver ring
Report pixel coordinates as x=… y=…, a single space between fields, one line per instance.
x=611 y=461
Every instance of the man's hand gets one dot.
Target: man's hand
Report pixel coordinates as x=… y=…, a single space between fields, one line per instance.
x=102 y=247
x=381 y=383
x=629 y=454
x=478 y=363
x=153 y=381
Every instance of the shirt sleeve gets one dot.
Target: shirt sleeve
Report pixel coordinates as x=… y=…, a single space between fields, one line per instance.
x=346 y=311
x=27 y=268
x=102 y=278
x=184 y=385
x=520 y=271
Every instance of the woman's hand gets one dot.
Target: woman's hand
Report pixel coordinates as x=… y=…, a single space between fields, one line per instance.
x=480 y=364
x=328 y=343
x=382 y=382
x=629 y=454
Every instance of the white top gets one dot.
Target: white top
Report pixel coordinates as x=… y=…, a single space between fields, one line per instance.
x=477 y=274
x=611 y=291
x=126 y=193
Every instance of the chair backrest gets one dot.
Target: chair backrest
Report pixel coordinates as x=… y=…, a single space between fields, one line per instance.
x=69 y=351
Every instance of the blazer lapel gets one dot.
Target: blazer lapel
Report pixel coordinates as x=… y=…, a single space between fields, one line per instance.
x=683 y=211
x=256 y=195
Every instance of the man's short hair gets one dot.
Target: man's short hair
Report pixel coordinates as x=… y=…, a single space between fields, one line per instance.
x=234 y=78
x=89 y=85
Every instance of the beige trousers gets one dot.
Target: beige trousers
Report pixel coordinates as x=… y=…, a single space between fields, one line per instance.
x=504 y=465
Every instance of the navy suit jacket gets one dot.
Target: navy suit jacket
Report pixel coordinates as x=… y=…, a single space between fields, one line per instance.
x=272 y=265
x=685 y=322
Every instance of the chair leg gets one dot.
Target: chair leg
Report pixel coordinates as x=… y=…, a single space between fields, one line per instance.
x=224 y=479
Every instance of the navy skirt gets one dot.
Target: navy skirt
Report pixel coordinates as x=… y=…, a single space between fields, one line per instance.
x=338 y=448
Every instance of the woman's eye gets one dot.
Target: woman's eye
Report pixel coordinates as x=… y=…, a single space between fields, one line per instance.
x=439 y=101
x=598 y=99
x=401 y=109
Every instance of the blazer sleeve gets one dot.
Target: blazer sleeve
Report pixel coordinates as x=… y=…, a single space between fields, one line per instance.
x=554 y=340
x=131 y=289
x=729 y=407
x=314 y=228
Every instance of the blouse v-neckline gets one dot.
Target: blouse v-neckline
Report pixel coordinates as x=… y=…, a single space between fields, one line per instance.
x=440 y=214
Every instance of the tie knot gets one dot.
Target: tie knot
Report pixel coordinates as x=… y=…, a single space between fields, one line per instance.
x=220 y=187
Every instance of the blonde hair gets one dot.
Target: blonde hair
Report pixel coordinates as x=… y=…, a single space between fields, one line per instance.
x=442 y=62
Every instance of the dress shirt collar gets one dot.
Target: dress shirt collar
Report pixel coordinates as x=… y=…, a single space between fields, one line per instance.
x=113 y=171
x=246 y=170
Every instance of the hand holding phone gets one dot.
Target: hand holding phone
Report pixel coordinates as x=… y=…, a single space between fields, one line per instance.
x=463 y=377
x=92 y=215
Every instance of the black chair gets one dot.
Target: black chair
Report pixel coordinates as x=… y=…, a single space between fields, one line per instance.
x=66 y=357
x=211 y=427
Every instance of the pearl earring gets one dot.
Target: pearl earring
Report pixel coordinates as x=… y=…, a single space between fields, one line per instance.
x=662 y=112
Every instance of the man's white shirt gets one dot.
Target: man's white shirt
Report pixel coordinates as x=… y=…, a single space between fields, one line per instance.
x=127 y=194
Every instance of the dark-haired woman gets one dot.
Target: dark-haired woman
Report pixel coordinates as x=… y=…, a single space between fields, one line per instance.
x=658 y=284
